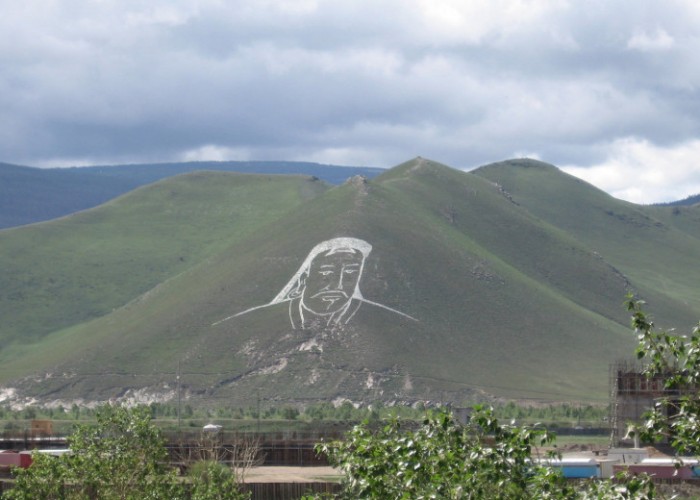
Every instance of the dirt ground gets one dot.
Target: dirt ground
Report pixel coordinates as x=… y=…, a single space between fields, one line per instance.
x=271 y=474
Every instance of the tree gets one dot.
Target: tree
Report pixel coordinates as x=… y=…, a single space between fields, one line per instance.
x=123 y=456
x=289 y=413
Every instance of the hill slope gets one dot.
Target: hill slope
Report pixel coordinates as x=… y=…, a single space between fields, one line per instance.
x=507 y=281
x=656 y=248
x=79 y=267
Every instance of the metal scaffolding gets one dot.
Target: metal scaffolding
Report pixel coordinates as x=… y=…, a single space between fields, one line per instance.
x=632 y=393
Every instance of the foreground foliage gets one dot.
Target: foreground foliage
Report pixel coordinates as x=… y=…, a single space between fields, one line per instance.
x=442 y=459
x=121 y=457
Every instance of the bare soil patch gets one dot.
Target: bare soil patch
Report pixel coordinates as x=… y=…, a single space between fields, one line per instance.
x=273 y=474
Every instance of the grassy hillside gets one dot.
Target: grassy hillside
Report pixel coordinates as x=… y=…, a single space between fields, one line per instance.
x=83 y=266
x=652 y=247
x=508 y=300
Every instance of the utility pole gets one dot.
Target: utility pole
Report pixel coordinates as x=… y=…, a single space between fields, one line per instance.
x=258 y=412
x=178 y=395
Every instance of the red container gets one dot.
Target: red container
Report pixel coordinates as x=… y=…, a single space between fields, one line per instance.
x=656 y=471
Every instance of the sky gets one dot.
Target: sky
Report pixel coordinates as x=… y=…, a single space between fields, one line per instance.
x=605 y=90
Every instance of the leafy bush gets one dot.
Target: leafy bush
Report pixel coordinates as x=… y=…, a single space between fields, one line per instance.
x=214 y=481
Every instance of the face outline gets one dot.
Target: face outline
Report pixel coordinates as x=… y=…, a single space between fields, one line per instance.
x=332 y=279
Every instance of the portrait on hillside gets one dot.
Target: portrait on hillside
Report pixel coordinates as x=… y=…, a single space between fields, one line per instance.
x=325 y=290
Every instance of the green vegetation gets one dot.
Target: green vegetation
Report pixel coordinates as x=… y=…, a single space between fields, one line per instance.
x=122 y=456
x=316 y=419
x=482 y=460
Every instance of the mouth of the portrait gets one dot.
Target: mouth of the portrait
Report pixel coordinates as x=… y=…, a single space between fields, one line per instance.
x=330 y=295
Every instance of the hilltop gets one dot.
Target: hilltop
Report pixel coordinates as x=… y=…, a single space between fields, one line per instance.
x=29 y=195
x=502 y=282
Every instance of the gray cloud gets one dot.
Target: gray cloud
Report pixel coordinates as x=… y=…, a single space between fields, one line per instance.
x=355 y=82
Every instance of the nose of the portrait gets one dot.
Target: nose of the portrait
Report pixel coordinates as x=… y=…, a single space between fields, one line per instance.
x=337 y=282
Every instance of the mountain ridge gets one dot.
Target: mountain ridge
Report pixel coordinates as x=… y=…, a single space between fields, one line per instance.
x=29 y=195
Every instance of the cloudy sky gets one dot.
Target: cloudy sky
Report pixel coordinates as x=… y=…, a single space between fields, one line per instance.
x=607 y=90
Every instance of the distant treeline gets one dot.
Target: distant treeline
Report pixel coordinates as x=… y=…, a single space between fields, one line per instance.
x=559 y=415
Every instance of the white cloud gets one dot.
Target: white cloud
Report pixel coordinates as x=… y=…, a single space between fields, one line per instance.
x=457 y=21
x=212 y=152
x=153 y=14
x=527 y=154
x=641 y=172
x=342 y=156
x=65 y=162
x=648 y=42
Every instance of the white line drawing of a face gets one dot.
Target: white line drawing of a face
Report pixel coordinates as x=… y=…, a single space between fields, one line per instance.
x=327 y=285
x=331 y=280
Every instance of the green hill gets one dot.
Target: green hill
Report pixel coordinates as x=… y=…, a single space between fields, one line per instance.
x=503 y=282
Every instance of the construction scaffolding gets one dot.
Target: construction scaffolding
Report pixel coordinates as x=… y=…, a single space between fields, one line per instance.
x=632 y=393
